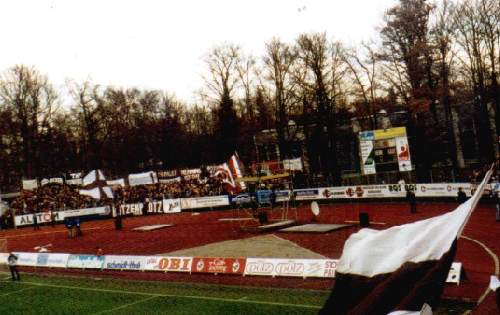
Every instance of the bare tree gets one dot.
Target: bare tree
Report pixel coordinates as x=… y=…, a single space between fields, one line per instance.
x=30 y=96
x=278 y=61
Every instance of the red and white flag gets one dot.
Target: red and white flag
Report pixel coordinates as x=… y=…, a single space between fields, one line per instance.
x=230 y=172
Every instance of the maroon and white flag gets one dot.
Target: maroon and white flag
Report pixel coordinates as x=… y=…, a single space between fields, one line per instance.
x=400 y=268
x=230 y=172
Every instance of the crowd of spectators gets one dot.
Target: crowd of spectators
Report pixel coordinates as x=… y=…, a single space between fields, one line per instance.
x=52 y=197
x=60 y=197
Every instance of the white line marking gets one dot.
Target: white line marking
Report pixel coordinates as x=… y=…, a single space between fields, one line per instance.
x=193 y=297
x=12 y=292
x=495 y=260
x=126 y=305
x=49 y=232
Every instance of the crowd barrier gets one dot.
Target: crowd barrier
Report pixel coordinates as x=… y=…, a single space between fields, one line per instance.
x=167 y=206
x=274 y=267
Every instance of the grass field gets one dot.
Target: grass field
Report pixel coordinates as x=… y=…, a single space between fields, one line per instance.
x=37 y=294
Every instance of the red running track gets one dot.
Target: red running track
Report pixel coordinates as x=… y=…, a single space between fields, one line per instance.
x=195 y=230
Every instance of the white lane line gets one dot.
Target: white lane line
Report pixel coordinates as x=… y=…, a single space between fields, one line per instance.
x=495 y=260
x=126 y=305
x=192 y=297
x=48 y=232
x=12 y=292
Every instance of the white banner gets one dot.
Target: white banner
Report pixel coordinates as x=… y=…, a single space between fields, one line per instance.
x=131 y=209
x=204 y=202
x=44 y=217
x=86 y=261
x=171 y=180
x=165 y=263
x=125 y=262
x=292 y=164
x=76 y=181
x=171 y=205
x=30 y=184
x=304 y=268
x=116 y=182
x=142 y=178
x=52 y=260
x=87 y=211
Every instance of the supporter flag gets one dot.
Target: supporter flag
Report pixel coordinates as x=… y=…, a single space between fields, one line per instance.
x=399 y=268
x=230 y=172
x=95 y=186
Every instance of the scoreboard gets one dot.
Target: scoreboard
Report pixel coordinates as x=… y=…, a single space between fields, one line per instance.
x=384 y=150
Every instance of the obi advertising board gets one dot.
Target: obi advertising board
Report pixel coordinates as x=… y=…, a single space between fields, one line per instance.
x=168 y=264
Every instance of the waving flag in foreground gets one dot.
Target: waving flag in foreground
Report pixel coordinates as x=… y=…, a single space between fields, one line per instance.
x=399 y=268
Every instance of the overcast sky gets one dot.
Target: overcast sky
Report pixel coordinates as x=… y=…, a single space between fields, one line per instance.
x=161 y=44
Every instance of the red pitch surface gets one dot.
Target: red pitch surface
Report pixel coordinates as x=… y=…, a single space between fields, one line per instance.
x=195 y=230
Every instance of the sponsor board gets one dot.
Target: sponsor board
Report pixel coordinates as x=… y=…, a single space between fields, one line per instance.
x=282 y=195
x=3 y=258
x=125 y=262
x=52 y=260
x=442 y=190
x=218 y=265
x=166 y=263
x=85 y=261
x=204 y=202
x=27 y=259
x=171 y=205
x=44 y=217
x=304 y=268
x=131 y=209
x=331 y=193
x=306 y=194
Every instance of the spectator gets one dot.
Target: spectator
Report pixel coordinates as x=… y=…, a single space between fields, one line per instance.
x=12 y=260
x=99 y=252
x=461 y=197
x=412 y=201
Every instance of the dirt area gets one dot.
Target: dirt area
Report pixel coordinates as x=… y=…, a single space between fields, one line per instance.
x=265 y=246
